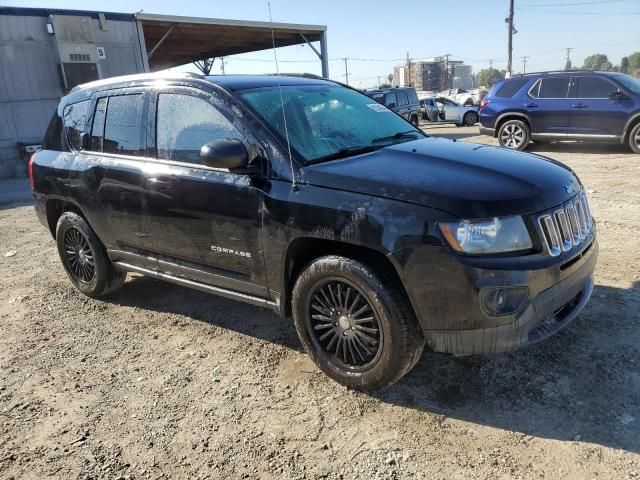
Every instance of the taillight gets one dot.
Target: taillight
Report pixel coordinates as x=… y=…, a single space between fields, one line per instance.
x=484 y=103
x=32 y=180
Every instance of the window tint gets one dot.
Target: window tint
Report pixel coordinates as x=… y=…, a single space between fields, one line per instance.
x=413 y=96
x=553 y=88
x=53 y=136
x=97 y=131
x=74 y=120
x=594 y=87
x=402 y=97
x=389 y=98
x=185 y=124
x=123 y=128
x=511 y=87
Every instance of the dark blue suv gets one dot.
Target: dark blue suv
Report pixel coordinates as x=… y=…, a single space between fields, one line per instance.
x=568 y=105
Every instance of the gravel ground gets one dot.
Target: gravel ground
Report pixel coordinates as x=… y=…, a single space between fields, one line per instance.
x=162 y=382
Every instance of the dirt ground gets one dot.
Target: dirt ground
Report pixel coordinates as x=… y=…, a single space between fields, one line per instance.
x=163 y=382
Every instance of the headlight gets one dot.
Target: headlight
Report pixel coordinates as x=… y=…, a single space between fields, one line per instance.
x=498 y=235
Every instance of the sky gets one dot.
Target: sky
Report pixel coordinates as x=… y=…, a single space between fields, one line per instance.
x=375 y=36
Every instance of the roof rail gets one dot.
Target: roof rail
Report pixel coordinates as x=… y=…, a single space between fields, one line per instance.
x=555 y=71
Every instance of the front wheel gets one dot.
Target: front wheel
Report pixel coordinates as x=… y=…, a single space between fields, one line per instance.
x=415 y=121
x=358 y=331
x=84 y=258
x=514 y=134
x=634 y=138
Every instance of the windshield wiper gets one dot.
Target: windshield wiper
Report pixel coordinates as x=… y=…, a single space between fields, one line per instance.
x=346 y=152
x=396 y=136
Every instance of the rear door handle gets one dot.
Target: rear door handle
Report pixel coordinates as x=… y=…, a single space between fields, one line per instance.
x=161 y=184
x=578 y=105
x=530 y=105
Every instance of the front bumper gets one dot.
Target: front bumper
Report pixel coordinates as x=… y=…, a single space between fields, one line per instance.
x=448 y=302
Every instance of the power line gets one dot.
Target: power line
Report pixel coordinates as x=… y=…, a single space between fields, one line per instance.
x=533 y=10
x=526 y=5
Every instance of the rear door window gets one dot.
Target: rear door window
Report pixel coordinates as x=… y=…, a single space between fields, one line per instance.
x=185 y=124
x=413 y=96
x=75 y=117
x=593 y=87
x=551 y=88
x=124 y=129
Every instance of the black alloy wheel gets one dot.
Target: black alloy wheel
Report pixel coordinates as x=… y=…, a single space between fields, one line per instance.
x=79 y=255
x=343 y=323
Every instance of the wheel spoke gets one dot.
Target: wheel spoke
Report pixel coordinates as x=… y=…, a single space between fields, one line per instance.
x=362 y=310
x=355 y=301
x=323 y=326
x=327 y=334
x=334 y=303
x=323 y=311
x=366 y=329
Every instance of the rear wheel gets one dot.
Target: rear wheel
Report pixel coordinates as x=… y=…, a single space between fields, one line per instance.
x=634 y=138
x=470 y=118
x=415 y=120
x=84 y=258
x=359 y=331
x=514 y=134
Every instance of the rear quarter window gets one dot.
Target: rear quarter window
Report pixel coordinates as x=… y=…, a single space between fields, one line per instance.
x=510 y=88
x=53 y=136
x=74 y=119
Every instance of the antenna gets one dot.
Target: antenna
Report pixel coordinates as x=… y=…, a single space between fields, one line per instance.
x=284 y=116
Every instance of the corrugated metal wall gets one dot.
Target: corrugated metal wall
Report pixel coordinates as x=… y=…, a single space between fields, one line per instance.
x=30 y=84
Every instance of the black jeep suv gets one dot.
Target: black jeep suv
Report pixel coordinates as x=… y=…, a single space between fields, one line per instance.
x=309 y=198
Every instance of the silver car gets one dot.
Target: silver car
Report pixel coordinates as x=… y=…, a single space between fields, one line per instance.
x=443 y=110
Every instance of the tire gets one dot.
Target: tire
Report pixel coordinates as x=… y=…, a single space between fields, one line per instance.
x=470 y=119
x=415 y=121
x=360 y=332
x=514 y=135
x=634 y=138
x=84 y=258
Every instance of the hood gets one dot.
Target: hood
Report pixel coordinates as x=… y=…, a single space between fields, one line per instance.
x=465 y=179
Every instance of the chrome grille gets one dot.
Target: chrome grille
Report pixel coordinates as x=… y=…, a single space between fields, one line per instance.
x=567 y=226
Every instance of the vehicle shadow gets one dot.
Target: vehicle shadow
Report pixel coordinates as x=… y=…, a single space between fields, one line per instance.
x=155 y=295
x=583 y=383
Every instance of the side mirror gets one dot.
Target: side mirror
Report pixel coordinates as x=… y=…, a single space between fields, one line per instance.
x=85 y=141
x=227 y=153
x=617 y=95
x=392 y=105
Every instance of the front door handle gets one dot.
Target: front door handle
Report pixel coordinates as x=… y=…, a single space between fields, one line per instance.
x=530 y=105
x=578 y=105
x=160 y=184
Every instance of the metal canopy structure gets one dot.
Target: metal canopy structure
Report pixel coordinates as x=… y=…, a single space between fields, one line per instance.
x=174 y=40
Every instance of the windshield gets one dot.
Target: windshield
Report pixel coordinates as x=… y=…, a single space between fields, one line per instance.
x=628 y=81
x=328 y=121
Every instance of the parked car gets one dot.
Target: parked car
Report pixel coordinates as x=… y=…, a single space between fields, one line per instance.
x=402 y=100
x=566 y=105
x=461 y=96
x=302 y=196
x=440 y=109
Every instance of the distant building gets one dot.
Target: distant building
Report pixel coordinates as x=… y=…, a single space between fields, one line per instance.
x=433 y=74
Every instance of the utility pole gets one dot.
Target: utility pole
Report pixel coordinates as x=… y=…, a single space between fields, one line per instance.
x=222 y=64
x=567 y=64
x=490 y=64
x=408 y=83
x=511 y=30
x=379 y=81
x=524 y=64
x=346 y=71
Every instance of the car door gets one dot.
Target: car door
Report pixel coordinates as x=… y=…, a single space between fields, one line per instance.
x=204 y=223
x=403 y=103
x=109 y=184
x=451 y=111
x=548 y=107
x=593 y=112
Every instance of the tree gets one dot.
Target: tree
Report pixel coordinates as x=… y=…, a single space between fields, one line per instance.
x=488 y=76
x=624 y=64
x=634 y=64
x=390 y=78
x=597 y=61
x=567 y=66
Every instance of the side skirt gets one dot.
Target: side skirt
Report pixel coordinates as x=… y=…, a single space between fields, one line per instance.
x=250 y=299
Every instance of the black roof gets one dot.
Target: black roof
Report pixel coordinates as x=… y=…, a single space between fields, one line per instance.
x=244 y=82
x=573 y=73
